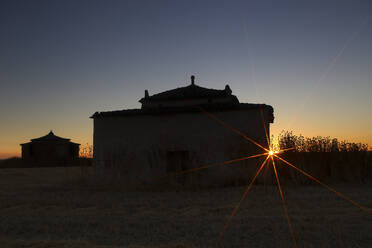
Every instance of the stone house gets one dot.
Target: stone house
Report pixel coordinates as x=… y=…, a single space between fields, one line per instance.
x=173 y=131
x=50 y=150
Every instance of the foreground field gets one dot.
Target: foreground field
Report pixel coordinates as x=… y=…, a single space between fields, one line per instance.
x=52 y=207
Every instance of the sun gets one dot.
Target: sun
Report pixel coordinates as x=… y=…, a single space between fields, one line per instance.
x=273 y=152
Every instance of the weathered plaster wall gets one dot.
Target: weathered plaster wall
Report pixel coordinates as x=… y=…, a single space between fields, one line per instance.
x=134 y=148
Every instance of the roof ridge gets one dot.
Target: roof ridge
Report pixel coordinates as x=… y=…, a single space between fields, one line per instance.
x=189 y=91
x=50 y=136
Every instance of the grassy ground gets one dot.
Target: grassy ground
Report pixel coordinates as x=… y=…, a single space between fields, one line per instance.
x=50 y=207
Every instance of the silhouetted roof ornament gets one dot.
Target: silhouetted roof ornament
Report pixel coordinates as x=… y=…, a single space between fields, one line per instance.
x=228 y=90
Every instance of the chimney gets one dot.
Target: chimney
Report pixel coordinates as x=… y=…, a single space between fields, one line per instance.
x=192 y=80
x=146 y=94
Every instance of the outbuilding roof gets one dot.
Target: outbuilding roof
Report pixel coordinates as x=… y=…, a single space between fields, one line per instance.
x=51 y=137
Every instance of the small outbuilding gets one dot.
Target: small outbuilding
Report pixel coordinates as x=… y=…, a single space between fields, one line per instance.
x=50 y=150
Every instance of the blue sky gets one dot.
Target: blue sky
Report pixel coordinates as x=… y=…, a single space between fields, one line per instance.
x=63 y=60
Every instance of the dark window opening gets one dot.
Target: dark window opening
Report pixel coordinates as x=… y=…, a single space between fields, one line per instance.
x=178 y=161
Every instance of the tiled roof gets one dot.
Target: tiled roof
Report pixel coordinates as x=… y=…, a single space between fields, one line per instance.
x=187 y=109
x=192 y=91
x=51 y=137
x=188 y=92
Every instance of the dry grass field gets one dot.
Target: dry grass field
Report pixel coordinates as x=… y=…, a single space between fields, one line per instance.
x=56 y=207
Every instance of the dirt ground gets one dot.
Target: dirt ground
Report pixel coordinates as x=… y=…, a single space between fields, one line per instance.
x=51 y=207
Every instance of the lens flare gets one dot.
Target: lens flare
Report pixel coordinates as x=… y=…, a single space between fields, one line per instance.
x=284 y=204
x=272 y=153
x=241 y=200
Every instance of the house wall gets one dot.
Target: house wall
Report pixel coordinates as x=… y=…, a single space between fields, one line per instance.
x=138 y=148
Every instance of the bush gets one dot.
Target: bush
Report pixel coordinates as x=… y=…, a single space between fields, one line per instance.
x=325 y=158
x=300 y=143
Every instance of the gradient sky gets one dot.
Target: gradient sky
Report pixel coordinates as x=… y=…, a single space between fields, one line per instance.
x=63 y=60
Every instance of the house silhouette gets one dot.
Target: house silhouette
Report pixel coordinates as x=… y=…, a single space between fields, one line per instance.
x=172 y=132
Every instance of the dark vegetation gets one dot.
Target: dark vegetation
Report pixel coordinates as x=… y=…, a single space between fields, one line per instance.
x=317 y=144
x=327 y=159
